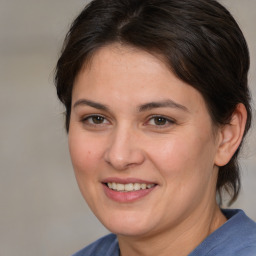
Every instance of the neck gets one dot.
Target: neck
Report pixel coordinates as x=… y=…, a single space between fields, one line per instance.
x=180 y=240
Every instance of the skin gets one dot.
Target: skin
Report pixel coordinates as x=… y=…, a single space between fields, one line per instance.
x=178 y=152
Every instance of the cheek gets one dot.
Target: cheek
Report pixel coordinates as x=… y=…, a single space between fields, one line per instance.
x=85 y=153
x=85 y=156
x=186 y=167
x=184 y=157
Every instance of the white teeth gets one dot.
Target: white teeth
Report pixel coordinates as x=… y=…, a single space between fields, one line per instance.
x=143 y=186
x=119 y=187
x=129 y=186
x=136 y=186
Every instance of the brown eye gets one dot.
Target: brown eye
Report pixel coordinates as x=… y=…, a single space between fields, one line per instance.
x=95 y=120
x=98 y=119
x=160 y=120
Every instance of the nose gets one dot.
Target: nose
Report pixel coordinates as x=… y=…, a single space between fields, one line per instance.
x=124 y=150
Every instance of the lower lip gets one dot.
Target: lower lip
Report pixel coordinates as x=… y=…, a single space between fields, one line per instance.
x=125 y=197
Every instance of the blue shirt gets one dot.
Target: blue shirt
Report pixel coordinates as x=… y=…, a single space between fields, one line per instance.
x=236 y=237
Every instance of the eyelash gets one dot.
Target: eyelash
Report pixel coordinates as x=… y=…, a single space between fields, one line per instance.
x=167 y=121
x=86 y=119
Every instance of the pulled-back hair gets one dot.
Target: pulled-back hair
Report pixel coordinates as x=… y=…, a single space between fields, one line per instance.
x=198 y=39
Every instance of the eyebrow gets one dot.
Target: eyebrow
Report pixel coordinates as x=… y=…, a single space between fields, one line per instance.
x=162 y=104
x=144 y=107
x=84 y=102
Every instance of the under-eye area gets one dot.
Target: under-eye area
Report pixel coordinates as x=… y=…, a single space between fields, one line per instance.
x=129 y=187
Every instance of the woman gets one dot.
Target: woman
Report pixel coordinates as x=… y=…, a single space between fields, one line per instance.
x=157 y=106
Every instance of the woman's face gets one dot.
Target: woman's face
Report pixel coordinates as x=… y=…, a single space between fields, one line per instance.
x=136 y=127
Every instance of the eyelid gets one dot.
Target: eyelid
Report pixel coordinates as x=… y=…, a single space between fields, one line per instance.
x=106 y=121
x=85 y=119
x=170 y=121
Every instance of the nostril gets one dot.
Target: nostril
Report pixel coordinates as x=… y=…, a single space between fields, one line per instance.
x=123 y=152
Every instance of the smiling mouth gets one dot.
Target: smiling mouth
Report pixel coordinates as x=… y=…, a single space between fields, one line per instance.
x=128 y=187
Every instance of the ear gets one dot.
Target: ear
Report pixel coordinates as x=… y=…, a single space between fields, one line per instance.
x=231 y=136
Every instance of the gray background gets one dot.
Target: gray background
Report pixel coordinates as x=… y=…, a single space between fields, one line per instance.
x=42 y=211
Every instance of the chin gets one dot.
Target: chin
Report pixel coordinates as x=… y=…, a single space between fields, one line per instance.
x=126 y=230
x=127 y=225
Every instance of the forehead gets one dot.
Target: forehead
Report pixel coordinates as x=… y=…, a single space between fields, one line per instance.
x=120 y=72
x=125 y=56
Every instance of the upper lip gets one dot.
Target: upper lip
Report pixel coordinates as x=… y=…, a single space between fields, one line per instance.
x=126 y=180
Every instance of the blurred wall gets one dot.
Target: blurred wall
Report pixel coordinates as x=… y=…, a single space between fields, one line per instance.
x=42 y=212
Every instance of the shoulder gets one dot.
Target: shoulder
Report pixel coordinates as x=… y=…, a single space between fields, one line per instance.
x=107 y=245
x=236 y=237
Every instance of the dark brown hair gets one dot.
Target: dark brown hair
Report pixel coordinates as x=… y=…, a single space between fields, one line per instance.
x=199 y=40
